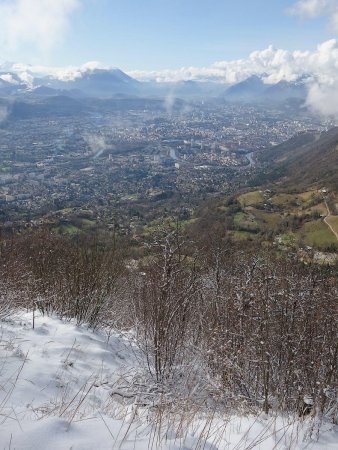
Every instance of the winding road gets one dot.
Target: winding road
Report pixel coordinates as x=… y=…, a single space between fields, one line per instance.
x=326 y=221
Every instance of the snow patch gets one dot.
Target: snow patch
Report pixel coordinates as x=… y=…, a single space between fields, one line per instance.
x=63 y=386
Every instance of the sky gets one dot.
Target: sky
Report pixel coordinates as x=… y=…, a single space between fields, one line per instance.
x=158 y=34
x=173 y=40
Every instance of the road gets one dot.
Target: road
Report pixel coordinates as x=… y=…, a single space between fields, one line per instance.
x=326 y=221
x=252 y=162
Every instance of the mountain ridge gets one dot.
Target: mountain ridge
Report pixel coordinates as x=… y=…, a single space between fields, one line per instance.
x=306 y=159
x=97 y=82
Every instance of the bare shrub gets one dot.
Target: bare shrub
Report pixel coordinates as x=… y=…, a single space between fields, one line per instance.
x=56 y=274
x=247 y=327
x=271 y=332
x=164 y=299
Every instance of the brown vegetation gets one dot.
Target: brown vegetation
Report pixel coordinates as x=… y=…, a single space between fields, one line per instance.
x=259 y=329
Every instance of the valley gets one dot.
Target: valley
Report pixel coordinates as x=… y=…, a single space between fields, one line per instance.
x=122 y=163
x=168 y=225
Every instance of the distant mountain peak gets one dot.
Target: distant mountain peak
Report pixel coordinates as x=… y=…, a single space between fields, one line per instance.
x=254 y=88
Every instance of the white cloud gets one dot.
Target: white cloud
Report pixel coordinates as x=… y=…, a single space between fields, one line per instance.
x=313 y=8
x=318 y=66
x=317 y=8
x=97 y=144
x=27 y=72
x=271 y=63
x=8 y=77
x=37 y=23
x=323 y=99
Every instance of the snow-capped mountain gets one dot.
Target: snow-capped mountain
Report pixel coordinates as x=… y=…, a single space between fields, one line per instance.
x=91 y=81
x=98 y=82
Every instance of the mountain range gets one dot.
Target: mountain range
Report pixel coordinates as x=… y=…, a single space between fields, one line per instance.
x=254 y=88
x=105 y=83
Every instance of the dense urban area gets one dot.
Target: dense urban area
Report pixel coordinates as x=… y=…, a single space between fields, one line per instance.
x=113 y=166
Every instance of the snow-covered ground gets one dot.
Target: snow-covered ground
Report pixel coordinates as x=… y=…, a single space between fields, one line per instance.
x=65 y=387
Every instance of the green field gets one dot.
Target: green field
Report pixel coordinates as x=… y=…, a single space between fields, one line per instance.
x=159 y=224
x=246 y=222
x=242 y=235
x=251 y=198
x=87 y=223
x=268 y=219
x=317 y=234
x=68 y=229
x=277 y=213
x=333 y=221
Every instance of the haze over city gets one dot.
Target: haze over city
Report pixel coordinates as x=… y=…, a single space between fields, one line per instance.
x=168 y=224
x=171 y=41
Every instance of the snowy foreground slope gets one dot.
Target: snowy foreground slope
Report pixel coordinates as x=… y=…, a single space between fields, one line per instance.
x=64 y=387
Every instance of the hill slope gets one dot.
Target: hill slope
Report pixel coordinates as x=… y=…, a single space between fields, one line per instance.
x=307 y=159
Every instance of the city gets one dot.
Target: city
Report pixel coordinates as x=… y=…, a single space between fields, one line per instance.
x=115 y=168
